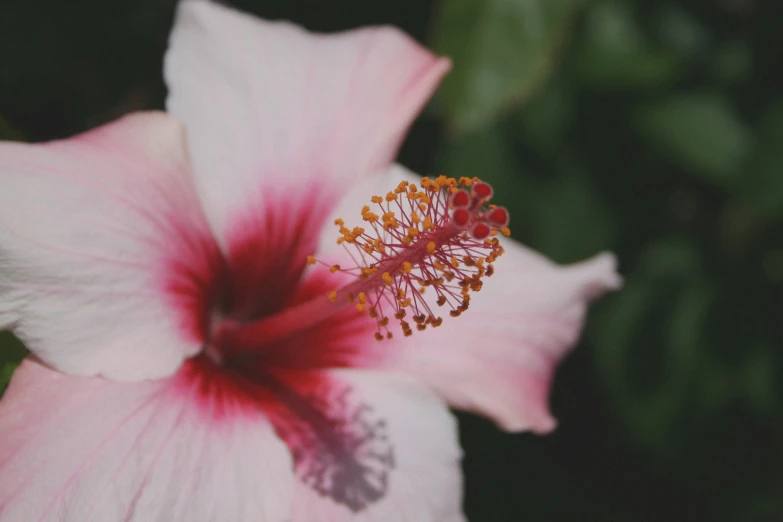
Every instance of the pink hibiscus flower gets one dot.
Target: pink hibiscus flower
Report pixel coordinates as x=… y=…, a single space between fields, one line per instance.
x=189 y=364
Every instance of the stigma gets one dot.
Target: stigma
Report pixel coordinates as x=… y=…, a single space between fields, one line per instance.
x=421 y=251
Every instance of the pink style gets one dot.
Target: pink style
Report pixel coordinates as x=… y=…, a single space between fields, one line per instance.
x=254 y=314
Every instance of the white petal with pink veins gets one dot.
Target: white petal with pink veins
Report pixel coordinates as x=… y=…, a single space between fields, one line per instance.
x=499 y=358
x=106 y=259
x=78 y=449
x=400 y=458
x=278 y=116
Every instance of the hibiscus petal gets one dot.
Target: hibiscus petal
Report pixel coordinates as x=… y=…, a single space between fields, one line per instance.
x=106 y=261
x=367 y=446
x=76 y=449
x=499 y=357
x=281 y=122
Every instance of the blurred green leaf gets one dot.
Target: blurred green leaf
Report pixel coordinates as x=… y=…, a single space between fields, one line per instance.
x=658 y=315
x=773 y=265
x=546 y=118
x=7 y=132
x=503 y=50
x=733 y=62
x=614 y=52
x=763 y=184
x=758 y=380
x=570 y=220
x=657 y=359
x=11 y=354
x=681 y=32
x=702 y=132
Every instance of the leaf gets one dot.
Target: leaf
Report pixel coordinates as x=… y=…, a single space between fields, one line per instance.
x=681 y=32
x=571 y=220
x=11 y=354
x=649 y=345
x=614 y=52
x=8 y=132
x=701 y=132
x=763 y=186
x=547 y=117
x=503 y=50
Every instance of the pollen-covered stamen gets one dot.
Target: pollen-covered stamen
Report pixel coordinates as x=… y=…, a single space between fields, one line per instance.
x=438 y=238
x=421 y=249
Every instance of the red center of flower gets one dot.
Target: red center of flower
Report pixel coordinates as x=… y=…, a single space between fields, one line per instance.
x=272 y=332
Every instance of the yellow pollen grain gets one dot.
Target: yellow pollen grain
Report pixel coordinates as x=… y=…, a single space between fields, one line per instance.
x=505 y=231
x=407 y=266
x=339 y=222
x=310 y=260
x=377 y=199
x=333 y=295
x=362 y=297
x=430 y=247
x=334 y=268
x=360 y=307
x=387 y=278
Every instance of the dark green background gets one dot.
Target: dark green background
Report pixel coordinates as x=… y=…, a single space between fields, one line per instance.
x=650 y=128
